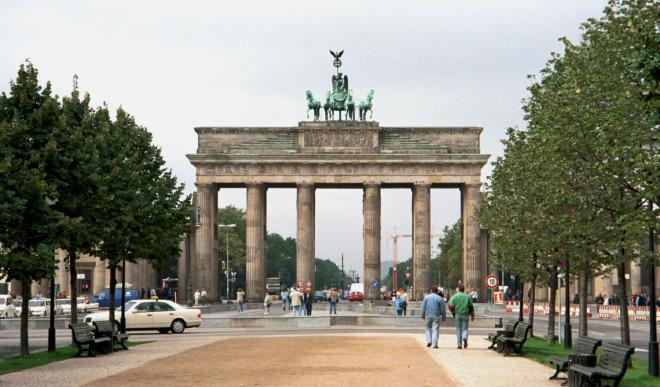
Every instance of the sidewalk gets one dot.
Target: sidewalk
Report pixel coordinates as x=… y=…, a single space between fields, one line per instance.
x=381 y=356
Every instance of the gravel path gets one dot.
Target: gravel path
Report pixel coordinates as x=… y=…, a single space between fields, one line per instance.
x=322 y=359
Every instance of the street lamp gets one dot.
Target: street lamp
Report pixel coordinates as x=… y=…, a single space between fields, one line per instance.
x=195 y=222
x=227 y=226
x=567 y=319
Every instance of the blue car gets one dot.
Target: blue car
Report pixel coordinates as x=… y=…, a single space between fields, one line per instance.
x=103 y=296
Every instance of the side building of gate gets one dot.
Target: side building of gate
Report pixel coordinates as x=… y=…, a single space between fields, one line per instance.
x=335 y=154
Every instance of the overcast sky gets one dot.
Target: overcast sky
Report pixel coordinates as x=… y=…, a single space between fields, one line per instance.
x=177 y=65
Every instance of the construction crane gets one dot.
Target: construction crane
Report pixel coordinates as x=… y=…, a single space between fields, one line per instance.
x=395 y=241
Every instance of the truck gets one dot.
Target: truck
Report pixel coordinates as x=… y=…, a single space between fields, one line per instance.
x=274 y=285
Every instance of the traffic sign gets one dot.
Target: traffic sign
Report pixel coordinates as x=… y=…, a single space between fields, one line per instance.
x=491 y=281
x=374 y=284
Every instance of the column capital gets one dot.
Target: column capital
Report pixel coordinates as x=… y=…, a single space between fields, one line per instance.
x=254 y=183
x=371 y=184
x=305 y=184
x=422 y=184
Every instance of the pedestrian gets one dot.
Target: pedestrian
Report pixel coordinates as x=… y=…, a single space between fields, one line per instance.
x=398 y=303
x=433 y=308
x=267 y=303
x=288 y=299
x=461 y=307
x=475 y=296
x=142 y=292
x=606 y=300
x=296 y=301
x=333 y=298
x=197 y=296
x=309 y=300
x=240 y=297
x=203 y=295
x=284 y=296
x=404 y=302
x=576 y=299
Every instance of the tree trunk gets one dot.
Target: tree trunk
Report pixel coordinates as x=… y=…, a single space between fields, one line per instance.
x=553 y=299
x=113 y=286
x=623 y=319
x=522 y=301
x=73 y=282
x=25 y=311
x=532 y=299
x=582 y=293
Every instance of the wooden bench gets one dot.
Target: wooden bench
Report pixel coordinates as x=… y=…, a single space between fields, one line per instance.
x=515 y=343
x=83 y=336
x=105 y=329
x=612 y=365
x=508 y=331
x=584 y=345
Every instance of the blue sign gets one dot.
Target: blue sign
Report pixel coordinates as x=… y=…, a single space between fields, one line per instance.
x=374 y=283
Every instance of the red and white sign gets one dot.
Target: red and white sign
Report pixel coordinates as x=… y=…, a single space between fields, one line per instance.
x=491 y=281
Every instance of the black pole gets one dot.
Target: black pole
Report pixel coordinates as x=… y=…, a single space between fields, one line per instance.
x=653 y=334
x=567 y=321
x=122 y=321
x=189 y=296
x=51 y=326
x=522 y=299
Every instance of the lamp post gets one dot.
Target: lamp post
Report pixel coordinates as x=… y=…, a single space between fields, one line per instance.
x=51 y=323
x=227 y=226
x=195 y=222
x=567 y=320
x=122 y=321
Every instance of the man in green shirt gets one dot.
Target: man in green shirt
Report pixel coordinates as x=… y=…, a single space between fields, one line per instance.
x=460 y=305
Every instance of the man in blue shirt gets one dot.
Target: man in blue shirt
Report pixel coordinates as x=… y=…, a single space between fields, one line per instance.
x=433 y=308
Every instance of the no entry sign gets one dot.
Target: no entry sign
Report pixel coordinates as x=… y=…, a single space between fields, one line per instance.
x=491 y=281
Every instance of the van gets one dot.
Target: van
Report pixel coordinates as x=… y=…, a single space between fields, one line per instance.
x=7 y=308
x=102 y=297
x=356 y=292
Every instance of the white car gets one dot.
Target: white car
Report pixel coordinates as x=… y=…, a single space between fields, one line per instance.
x=64 y=305
x=38 y=307
x=7 y=307
x=86 y=306
x=160 y=315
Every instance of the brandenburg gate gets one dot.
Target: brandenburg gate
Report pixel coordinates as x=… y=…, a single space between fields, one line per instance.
x=335 y=153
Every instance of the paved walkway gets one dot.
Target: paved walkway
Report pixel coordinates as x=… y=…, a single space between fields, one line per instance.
x=467 y=367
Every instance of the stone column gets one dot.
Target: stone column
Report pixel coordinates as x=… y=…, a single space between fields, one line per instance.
x=205 y=264
x=255 y=251
x=470 y=206
x=98 y=281
x=63 y=273
x=421 y=239
x=371 y=238
x=305 y=230
x=635 y=278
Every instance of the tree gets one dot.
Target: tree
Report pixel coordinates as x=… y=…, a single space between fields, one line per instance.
x=144 y=214
x=28 y=117
x=448 y=262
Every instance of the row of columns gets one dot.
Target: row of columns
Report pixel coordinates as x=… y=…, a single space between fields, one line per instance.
x=205 y=266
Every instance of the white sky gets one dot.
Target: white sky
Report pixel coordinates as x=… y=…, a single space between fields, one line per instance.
x=177 y=65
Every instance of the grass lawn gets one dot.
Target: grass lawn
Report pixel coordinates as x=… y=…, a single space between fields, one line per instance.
x=538 y=349
x=36 y=359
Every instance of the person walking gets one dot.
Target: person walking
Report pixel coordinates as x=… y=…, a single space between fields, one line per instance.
x=334 y=298
x=461 y=307
x=309 y=300
x=433 y=308
x=240 y=297
x=284 y=296
x=398 y=303
x=203 y=295
x=197 y=296
x=404 y=302
x=296 y=301
x=267 y=303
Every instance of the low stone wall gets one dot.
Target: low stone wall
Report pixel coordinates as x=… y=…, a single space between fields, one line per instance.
x=332 y=321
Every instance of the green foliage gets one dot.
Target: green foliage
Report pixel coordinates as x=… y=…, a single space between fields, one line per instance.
x=579 y=179
x=281 y=258
x=447 y=265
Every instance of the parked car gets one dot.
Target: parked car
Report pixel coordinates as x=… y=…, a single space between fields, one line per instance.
x=64 y=305
x=102 y=297
x=38 y=307
x=160 y=315
x=7 y=307
x=319 y=295
x=356 y=296
x=86 y=305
